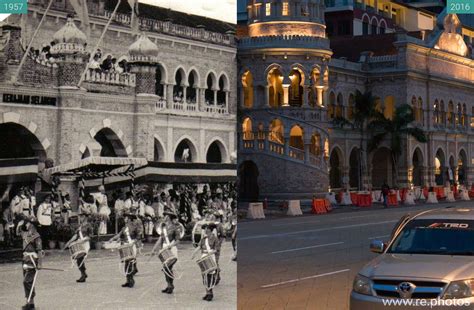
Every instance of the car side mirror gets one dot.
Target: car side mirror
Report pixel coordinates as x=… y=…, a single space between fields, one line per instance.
x=377 y=246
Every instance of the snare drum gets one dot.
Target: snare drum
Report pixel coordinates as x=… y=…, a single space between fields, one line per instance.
x=127 y=251
x=79 y=248
x=207 y=264
x=166 y=256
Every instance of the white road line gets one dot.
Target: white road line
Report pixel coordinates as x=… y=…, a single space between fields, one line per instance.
x=297 y=223
x=308 y=247
x=379 y=237
x=305 y=278
x=315 y=230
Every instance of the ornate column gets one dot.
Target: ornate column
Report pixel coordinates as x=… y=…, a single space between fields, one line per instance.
x=266 y=103
x=319 y=90
x=169 y=95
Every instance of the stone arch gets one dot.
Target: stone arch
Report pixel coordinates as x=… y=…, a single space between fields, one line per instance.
x=195 y=72
x=164 y=72
x=365 y=18
x=186 y=142
x=301 y=69
x=39 y=144
x=223 y=87
x=382 y=23
x=296 y=87
x=247 y=85
x=417 y=161
x=109 y=132
x=351 y=107
x=161 y=79
x=248 y=181
x=211 y=86
x=382 y=167
x=336 y=162
x=316 y=143
x=332 y=105
x=180 y=82
x=440 y=165
x=275 y=77
x=223 y=75
x=216 y=151
x=461 y=166
x=159 y=151
x=213 y=78
x=339 y=105
x=276 y=132
x=297 y=137
x=247 y=128
x=355 y=178
x=111 y=145
x=20 y=141
x=193 y=85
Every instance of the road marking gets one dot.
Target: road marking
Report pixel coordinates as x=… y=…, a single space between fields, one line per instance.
x=298 y=223
x=305 y=278
x=315 y=230
x=308 y=247
x=379 y=237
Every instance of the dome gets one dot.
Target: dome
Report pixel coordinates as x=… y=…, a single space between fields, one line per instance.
x=70 y=34
x=143 y=48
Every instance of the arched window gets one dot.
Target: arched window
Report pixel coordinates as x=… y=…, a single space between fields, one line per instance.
x=315 y=80
x=296 y=137
x=221 y=94
x=351 y=107
x=340 y=106
x=247 y=84
x=436 y=115
x=247 y=129
x=332 y=106
x=414 y=107
x=419 y=111
x=378 y=105
x=389 y=109
x=443 y=113
x=209 y=92
x=275 y=88
x=159 y=82
x=451 y=113
x=464 y=115
x=178 y=89
x=315 y=147
x=276 y=132
x=260 y=131
x=191 y=91
x=296 y=89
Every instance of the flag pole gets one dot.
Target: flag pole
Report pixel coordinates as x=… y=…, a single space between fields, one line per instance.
x=83 y=75
x=23 y=59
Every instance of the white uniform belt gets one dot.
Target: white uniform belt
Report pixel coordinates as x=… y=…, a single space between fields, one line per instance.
x=33 y=254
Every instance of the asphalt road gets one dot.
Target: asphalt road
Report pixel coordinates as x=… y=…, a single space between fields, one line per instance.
x=59 y=290
x=309 y=262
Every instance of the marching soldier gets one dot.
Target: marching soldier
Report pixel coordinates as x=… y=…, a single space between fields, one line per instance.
x=32 y=254
x=169 y=238
x=207 y=246
x=82 y=234
x=129 y=236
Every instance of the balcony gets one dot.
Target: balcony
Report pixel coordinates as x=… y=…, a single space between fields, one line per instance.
x=110 y=78
x=193 y=109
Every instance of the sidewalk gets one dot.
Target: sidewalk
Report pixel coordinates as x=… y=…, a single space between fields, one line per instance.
x=276 y=211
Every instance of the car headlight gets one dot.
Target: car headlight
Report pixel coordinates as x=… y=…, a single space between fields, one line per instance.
x=459 y=289
x=362 y=285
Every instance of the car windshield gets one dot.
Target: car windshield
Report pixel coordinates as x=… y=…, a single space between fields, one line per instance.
x=436 y=236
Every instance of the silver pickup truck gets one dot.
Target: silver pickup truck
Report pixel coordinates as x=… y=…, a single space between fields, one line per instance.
x=427 y=264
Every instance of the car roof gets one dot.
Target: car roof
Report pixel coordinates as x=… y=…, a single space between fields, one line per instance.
x=448 y=213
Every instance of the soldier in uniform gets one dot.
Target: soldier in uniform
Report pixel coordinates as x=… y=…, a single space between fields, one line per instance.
x=84 y=231
x=169 y=238
x=207 y=246
x=129 y=234
x=32 y=254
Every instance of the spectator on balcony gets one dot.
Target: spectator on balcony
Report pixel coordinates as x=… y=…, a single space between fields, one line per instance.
x=107 y=64
x=95 y=65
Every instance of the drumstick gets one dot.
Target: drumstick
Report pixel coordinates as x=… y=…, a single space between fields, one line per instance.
x=33 y=286
x=51 y=269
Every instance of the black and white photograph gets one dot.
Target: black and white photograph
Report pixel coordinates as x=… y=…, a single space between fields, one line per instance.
x=118 y=155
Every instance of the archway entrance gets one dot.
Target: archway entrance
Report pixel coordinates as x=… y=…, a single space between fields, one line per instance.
x=185 y=152
x=248 y=177
x=354 y=168
x=439 y=167
x=335 y=161
x=462 y=162
x=214 y=154
x=17 y=141
x=382 y=168
x=417 y=161
x=110 y=143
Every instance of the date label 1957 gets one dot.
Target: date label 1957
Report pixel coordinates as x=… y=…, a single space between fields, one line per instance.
x=460 y=7
x=14 y=6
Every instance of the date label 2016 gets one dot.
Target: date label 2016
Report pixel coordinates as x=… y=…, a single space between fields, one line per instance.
x=13 y=7
x=460 y=7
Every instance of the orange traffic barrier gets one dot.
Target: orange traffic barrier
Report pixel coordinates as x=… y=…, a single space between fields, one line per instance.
x=392 y=199
x=364 y=200
x=425 y=192
x=355 y=198
x=327 y=204
x=319 y=206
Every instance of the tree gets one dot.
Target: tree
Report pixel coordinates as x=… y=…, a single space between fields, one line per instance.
x=364 y=111
x=396 y=130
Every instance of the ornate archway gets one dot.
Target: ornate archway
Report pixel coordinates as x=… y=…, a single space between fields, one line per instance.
x=248 y=181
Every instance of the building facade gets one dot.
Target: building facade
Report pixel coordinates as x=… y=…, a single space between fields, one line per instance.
x=173 y=101
x=291 y=148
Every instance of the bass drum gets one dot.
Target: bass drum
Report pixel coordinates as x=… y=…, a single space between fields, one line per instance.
x=197 y=232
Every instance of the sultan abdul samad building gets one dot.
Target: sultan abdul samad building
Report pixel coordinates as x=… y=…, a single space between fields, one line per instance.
x=300 y=65
x=174 y=94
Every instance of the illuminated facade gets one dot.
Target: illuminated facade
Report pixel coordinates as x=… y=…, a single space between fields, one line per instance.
x=292 y=86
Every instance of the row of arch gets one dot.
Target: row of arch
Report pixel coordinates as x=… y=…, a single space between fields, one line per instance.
x=373 y=25
x=286 y=89
x=186 y=85
x=382 y=170
x=107 y=143
x=453 y=115
x=276 y=134
x=337 y=107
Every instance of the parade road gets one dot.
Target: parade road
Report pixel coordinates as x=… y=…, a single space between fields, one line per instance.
x=309 y=262
x=59 y=290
